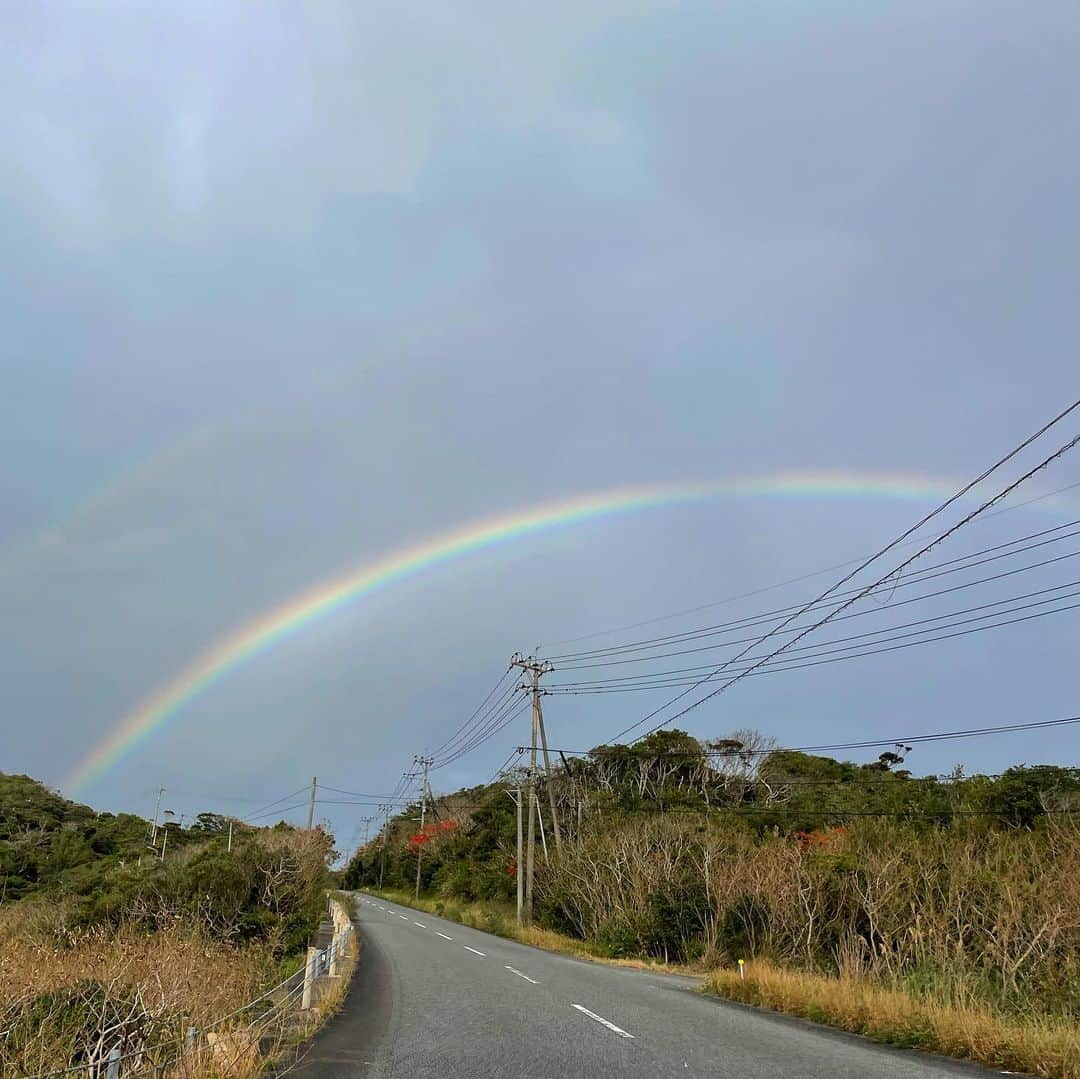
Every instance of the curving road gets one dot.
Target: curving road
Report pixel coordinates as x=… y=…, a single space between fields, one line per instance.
x=434 y=999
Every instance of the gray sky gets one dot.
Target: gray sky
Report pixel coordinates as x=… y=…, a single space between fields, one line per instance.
x=288 y=287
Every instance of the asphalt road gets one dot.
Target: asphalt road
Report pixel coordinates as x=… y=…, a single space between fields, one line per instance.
x=433 y=998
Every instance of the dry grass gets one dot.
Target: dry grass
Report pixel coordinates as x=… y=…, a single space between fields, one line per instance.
x=966 y=1029
x=59 y=991
x=178 y=970
x=161 y=983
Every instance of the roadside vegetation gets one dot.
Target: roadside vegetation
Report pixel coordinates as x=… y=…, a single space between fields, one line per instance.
x=103 y=943
x=934 y=912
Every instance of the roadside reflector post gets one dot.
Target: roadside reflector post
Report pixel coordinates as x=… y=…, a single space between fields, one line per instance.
x=742 y=969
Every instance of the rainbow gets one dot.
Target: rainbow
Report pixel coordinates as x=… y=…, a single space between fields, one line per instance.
x=275 y=625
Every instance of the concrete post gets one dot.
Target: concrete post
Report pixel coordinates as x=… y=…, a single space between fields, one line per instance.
x=113 y=1071
x=309 y=976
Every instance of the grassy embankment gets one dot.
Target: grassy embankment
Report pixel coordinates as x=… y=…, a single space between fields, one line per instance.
x=929 y=1020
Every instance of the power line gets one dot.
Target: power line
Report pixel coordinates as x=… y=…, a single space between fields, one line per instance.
x=276 y=812
x=284 y=798
x=834 y=747
x=931 y=572
x=445 y=746
x=356 y=794
x=656 y=678
x=513 y=708
x=357 y=802
x=1059 y=452
x=779 y=584
x=483 y=728
x=842 y=618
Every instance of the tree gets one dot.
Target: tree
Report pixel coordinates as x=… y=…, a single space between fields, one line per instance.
x=1022 y=794
x=210 y=823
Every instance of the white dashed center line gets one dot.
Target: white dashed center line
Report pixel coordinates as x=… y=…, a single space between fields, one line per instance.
x=602 y=1021
x=421 y=924
x=443 y=935
x=474 y=951
x=403 y=918
x=520 y=975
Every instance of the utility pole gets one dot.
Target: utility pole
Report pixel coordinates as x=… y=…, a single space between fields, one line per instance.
x=311 y=804
x=536 y=669
x=157 y=807
x=385 y=842
x=426 y=762
x=165 y=833
x=515 y=795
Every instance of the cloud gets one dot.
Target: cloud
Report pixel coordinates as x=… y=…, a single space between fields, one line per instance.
x=326 y=280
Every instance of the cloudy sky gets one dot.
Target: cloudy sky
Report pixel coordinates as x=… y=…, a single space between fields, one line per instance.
x=289 y=288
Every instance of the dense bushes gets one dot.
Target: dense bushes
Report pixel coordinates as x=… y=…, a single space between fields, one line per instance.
x=96 y=870
x=997 y=910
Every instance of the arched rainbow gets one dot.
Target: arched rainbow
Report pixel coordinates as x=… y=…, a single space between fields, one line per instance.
x=261 y=633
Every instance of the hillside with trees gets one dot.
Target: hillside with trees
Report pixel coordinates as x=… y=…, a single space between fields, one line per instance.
x=709 y=852
x=103 y=934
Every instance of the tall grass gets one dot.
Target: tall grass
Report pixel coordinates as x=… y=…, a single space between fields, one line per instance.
x=966 y=1028
x=67 y=998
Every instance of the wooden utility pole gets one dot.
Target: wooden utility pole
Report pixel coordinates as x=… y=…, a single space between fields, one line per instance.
x=311 y=804
x=536 y=669
x=426 y=762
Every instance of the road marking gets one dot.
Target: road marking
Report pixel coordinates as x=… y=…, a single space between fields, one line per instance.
x=520 y=975
x=473 y=950
x=443 y=935
x=604 y=1022
x=421 y=924
x=403 y=918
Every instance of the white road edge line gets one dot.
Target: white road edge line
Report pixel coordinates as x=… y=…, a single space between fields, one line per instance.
x=443 y=935
x=520 y=975
x=602 y=1021
x=421 y=924
x=473 y=950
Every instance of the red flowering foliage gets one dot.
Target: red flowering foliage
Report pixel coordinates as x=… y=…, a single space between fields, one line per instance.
x=430 y=832
x=822 y=839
